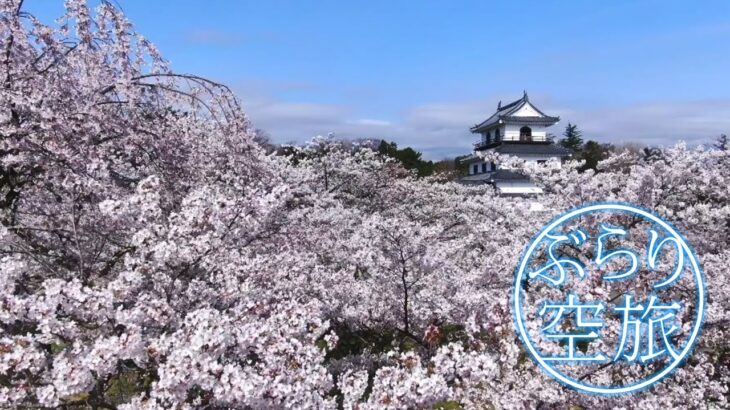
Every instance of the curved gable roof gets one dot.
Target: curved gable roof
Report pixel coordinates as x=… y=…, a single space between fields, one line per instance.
x=505 y=113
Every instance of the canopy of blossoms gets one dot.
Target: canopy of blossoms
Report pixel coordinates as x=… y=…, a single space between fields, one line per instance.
x=153 y=255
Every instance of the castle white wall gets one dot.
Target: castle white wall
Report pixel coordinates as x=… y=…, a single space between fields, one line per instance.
x=527 y=110
x=479 y=168
x=517 y=188
x=530 y=160
x=491 y=134
x=512 y=132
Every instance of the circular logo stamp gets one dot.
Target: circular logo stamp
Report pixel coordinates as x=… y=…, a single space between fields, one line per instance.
x=608 y=298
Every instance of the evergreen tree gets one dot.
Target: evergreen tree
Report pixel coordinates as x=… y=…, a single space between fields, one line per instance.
x=410 y=158
x=572 y=138
x=592 y=152
x=723 y=144
x=389 y=149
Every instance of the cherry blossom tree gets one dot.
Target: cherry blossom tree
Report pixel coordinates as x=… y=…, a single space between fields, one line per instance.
x=134 y=201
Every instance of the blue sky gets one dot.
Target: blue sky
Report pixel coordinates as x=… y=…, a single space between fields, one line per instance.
x=421 y=73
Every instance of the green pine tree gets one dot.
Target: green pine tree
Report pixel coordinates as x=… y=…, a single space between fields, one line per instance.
x=722 y=143
x=388 y=148
x=408 y=157
x=572 y=138
x=592 y=152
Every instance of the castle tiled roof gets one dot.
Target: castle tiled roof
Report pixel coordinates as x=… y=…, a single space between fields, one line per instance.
x=504 y=115
x=507 y=175
x=500 y=175
x=527 y=148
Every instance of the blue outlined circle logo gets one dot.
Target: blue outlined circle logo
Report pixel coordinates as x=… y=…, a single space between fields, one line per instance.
x=608 y=289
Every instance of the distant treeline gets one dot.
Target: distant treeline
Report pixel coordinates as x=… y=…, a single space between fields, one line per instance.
x=592 y=152
x=410 y=158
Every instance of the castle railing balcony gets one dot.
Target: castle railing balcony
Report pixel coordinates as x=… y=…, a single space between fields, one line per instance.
x=482 y=144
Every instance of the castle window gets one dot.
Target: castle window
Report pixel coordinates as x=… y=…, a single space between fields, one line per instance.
x=525 y=134
x=475 y=168
x=484 y=167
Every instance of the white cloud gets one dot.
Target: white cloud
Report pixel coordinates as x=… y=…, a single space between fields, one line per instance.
x=368 y=121
x=440 y=130
x=658 y=123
